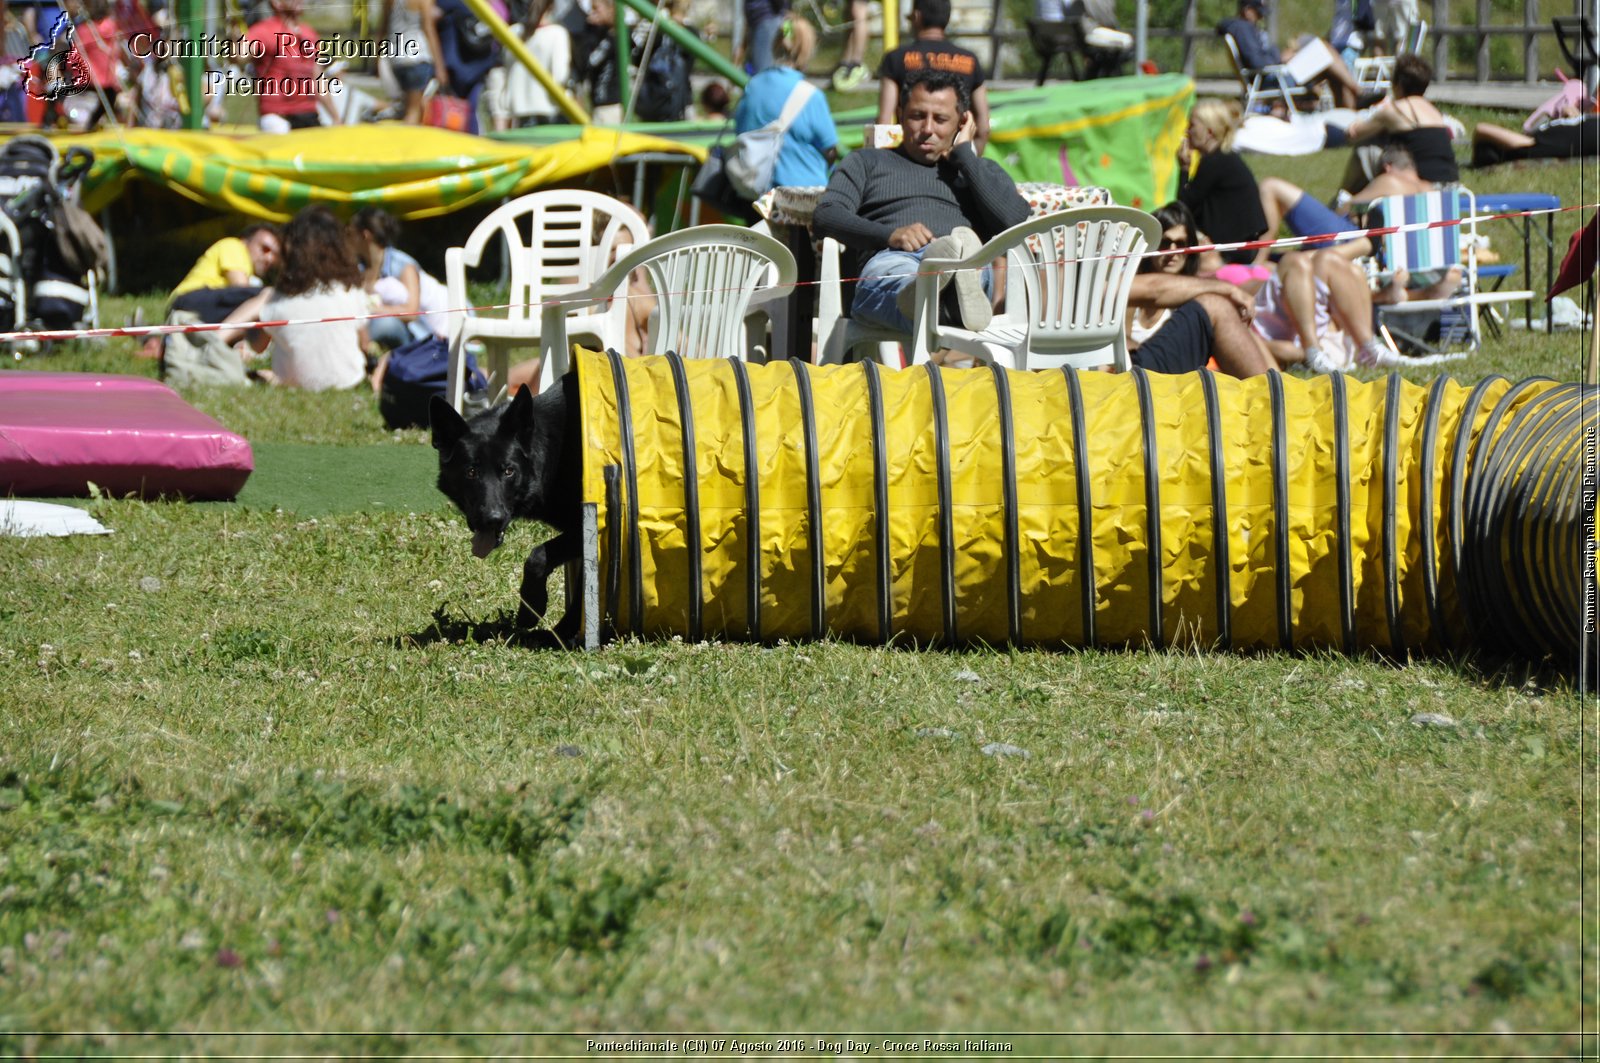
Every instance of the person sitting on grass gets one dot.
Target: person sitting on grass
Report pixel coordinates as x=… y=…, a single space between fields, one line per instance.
x=318 y=294
x=1573 y=134
x=1405 y=119
x=1177 y=322
x=229 y=272
x=1217 y=185
x=412 y=299
x=408 y=302
x=1316 y=311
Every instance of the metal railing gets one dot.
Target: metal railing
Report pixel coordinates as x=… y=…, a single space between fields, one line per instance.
x=1201 y=41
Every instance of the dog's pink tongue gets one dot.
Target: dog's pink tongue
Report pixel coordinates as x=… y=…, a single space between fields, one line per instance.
x=483 y=543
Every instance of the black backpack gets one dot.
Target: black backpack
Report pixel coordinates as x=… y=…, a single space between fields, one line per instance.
x=474 y=39
x=664 y=90
x=418 y=371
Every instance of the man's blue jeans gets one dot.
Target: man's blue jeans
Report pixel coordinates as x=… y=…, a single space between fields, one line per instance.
x=883 y=277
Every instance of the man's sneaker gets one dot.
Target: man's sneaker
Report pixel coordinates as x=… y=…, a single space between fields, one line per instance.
x=849 y=77
x=975 y=309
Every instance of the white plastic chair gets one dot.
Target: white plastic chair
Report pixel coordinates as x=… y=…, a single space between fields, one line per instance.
x=767 y=327
x=557 y=241
x=837 y=334
x=1067 y=285
x=706 y=280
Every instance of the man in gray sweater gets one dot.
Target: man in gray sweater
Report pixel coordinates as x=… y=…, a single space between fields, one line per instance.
x=892 y=208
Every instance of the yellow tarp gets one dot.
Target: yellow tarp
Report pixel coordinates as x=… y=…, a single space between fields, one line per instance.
x=411 y=171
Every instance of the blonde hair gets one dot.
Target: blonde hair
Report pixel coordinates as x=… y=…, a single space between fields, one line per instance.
x=1221 y=118
x=795 y=43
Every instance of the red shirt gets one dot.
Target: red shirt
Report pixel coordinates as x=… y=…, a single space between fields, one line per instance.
x=287 y=56
x=100 y=45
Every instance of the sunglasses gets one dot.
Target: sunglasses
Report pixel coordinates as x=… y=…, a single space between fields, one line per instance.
x=1168 y=244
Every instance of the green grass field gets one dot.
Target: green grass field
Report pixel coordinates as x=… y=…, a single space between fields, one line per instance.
x=274 y=779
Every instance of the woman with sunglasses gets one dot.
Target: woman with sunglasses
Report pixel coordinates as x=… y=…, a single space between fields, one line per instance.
x=1177 y=321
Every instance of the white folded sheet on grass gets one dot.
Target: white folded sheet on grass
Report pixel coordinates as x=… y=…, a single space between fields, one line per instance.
x=24 y=519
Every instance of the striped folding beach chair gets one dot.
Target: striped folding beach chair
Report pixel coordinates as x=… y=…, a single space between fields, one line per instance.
x=1428 y=254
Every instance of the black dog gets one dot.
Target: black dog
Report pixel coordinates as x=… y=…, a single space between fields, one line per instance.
x=521 y=460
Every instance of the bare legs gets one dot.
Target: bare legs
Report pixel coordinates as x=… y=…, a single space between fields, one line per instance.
x=1344 y=82
x=1278 y=198
x=1297 y=275
x=1495 y=143
x=1238 y=351
x=244 y=315
x=1501 y=137
x=851 y=72
x=855 y=45
x=1349 y=303
x=1349 y=298
x=414 y=106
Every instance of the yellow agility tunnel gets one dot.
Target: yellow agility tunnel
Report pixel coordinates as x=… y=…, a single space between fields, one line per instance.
x=952 y=506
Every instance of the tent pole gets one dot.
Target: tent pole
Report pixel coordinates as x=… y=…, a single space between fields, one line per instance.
x=191 y=17
x=1141 y=33
x=619 y=26
x=688 y=42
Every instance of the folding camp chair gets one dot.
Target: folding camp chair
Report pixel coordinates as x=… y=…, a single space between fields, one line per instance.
x=1372 y=73
x=1260 y=85
x=1448 y=240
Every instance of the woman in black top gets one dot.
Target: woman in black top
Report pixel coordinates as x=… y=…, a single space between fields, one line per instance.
x=1406 y=119
x=1222 y=192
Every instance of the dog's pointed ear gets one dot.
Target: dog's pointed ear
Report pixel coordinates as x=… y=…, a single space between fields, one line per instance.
x=519 y=418
x=448 y=425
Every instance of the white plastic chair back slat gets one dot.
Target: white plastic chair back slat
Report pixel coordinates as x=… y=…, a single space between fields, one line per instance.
x=1077 y=267
x=705 y=279
x=557 y=242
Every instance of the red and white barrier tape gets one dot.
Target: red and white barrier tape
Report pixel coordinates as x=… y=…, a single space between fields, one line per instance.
x=1288 y=243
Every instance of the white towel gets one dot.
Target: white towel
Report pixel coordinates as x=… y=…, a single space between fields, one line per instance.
x=25 y=519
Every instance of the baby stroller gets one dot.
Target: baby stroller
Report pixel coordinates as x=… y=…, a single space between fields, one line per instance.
x=47 y=259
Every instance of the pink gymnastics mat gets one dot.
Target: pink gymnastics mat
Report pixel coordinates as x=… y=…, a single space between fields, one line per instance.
x=130 y=435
